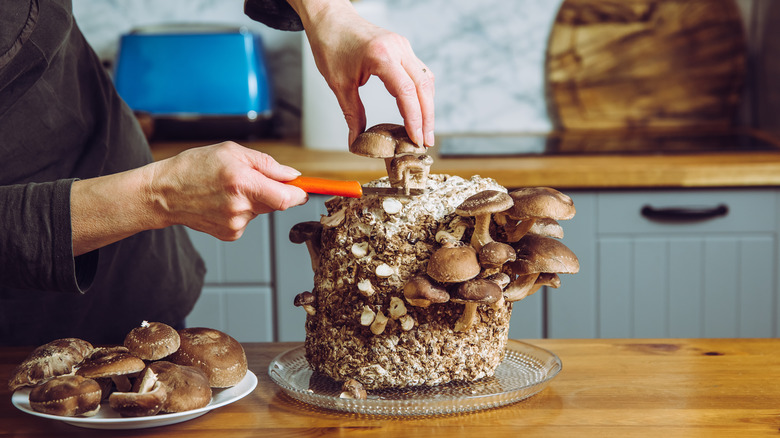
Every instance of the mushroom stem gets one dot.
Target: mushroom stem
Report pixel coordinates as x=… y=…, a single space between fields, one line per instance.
x=499 y=304
x=389 y=167
x=466 y=320
x=481 y=235
x=314 y=254
x=545 y=279
x=520 y=287
x=518 y=230
x=122 y=383
x=407 y=180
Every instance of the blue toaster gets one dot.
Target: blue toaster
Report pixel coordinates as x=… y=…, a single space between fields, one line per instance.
x=196 y=81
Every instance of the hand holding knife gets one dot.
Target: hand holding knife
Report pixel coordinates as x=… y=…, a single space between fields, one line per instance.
x=351 y=189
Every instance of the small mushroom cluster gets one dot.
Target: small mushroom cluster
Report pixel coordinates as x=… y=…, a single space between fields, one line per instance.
x=407 y=164
x=157 y=369
x=479 y=269
x=489 y=271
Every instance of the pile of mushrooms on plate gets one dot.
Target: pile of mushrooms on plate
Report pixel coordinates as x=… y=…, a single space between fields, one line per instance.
x=157 y=370
x=501 y=246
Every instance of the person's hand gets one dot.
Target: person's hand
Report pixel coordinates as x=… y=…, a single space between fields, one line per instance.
x=348 y=50
x=215 y=189
x=218 y=189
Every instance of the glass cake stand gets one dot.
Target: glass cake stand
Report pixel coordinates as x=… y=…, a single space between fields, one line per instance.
x=525 y=370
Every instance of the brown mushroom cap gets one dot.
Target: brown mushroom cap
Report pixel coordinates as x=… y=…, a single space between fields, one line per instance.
x=305 y=231
x=500 y=278
x=541 y=202
x=547 y=227
x=354 y=390
x=478 y=291
x=537 y=254
x=152 y=340
x=303 y=299
x=147 y=400
x=485 y=202
x=472 y=293
x=68 y=396
x=421 y=292
x=496 y=254
x=115 y=363
x=306 y=300
x=110 y=362
x=52 y=359
x=309 y=232
x=384 y=141
x=186 y=387
x=218 y=354
x=453 y=264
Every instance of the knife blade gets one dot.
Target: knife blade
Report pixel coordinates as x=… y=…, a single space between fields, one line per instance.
x=351 y=189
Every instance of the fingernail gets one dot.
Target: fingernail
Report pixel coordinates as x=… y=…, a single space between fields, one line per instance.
x=419 y=138
x=429 y=138
x=291 y=171
x=351 y=138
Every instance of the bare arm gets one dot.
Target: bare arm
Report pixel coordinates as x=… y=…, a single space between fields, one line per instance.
x=215 y=189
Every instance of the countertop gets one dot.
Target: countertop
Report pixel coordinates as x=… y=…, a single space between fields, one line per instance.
x=712 y=169
x=608 y=387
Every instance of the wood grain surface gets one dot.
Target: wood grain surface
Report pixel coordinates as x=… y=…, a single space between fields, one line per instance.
x=600 y=171
x=608 y=387
x=645 y=63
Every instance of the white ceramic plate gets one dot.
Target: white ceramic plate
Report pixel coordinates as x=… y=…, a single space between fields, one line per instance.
x=107 y=418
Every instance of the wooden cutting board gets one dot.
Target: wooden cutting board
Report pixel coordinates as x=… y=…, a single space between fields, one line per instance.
x=617 y=64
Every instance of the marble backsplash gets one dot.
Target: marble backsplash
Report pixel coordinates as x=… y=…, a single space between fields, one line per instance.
x=488 y=56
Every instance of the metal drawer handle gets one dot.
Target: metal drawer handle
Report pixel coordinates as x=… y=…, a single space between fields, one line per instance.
x=684 y=214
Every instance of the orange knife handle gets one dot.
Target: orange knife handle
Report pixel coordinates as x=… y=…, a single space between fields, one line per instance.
x=351 y=189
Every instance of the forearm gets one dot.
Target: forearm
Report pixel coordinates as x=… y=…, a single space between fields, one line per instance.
x=107 y=209
x=310 y=11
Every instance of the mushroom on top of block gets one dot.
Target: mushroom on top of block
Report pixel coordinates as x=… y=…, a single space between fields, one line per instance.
x=406 y=163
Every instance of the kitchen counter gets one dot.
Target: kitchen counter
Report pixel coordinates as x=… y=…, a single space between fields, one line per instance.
x=608 y=387
x=586 y=171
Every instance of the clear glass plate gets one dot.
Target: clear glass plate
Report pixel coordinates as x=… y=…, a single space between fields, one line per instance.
x=525 y=370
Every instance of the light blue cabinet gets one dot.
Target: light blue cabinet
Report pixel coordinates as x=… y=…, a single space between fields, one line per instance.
x=642 y=277
x=238 y=295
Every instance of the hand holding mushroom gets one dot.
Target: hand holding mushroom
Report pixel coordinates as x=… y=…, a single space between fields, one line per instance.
x=406 y=163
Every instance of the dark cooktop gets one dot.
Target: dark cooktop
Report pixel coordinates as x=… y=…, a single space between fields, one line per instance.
x=602 y=143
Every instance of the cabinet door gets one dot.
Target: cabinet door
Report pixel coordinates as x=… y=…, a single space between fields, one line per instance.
x=571 y=311
x=697 y=286
x=710 y=277
x=246 y=260
x=243 y=312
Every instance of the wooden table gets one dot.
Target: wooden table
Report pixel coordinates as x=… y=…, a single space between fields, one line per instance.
x=662 y=387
